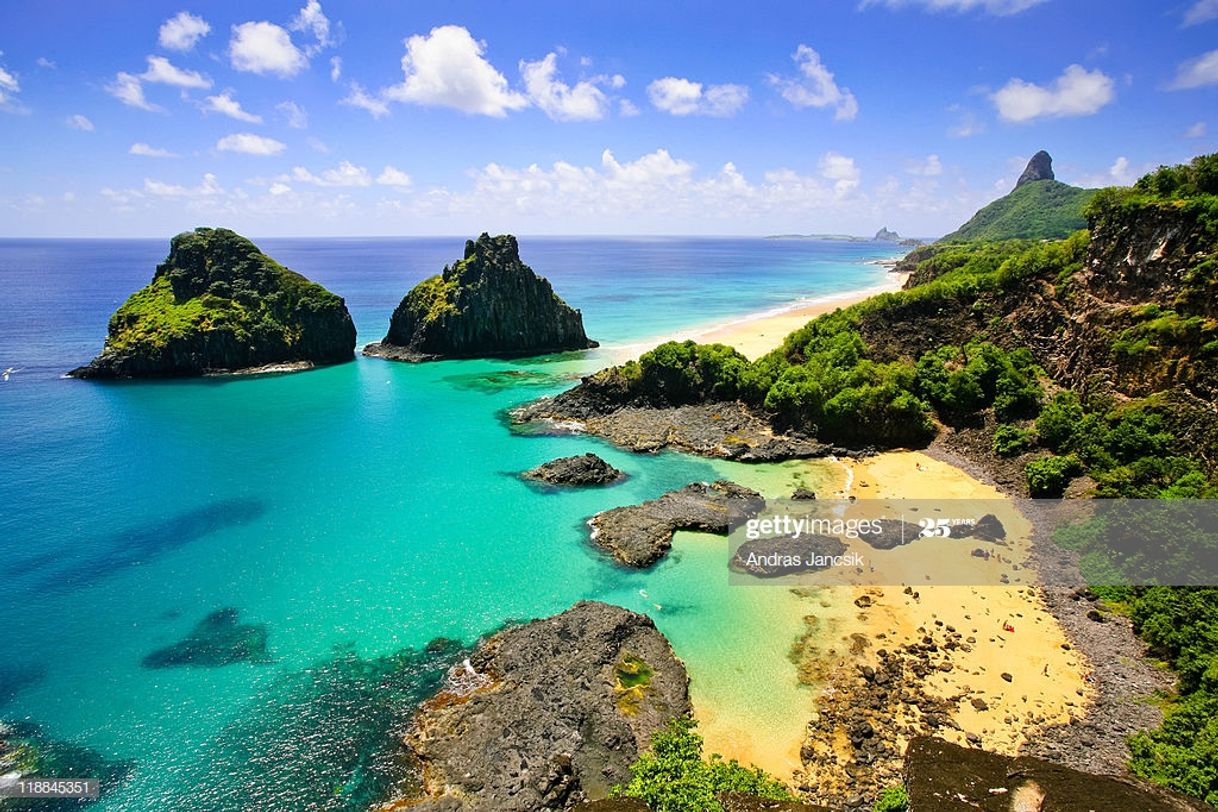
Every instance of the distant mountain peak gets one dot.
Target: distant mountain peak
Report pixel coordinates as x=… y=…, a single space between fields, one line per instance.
x=884 y=235
x=1039 y=168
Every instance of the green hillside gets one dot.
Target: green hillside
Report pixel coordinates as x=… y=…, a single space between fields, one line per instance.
x=1040 y=210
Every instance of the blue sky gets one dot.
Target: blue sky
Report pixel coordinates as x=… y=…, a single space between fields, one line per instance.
x=342 y=118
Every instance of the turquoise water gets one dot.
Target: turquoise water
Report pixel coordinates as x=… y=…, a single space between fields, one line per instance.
x=356 y=511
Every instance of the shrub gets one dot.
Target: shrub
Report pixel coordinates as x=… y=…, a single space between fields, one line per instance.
x=1011 y=441
x=893 y=799
x=672 y=776
x=1049 y=477
x=1059 y=420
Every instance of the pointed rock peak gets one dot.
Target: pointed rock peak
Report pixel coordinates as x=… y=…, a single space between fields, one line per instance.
x=487 y=247
x=1039 y=168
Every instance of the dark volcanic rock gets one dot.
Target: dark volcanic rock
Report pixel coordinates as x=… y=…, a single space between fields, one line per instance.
x=640 y=535
x=488 y=304
x=727 y=430
x=1039 y=168
x=892 y=535
x=583 y=469
x=216 y=640
x=614 y=805
x=741 y=802
x=552 y=715
x=944 y=777
x=217 y=304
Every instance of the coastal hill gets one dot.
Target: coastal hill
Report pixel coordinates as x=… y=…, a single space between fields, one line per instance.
x=1040 y=207
x=1082 y=366
x=217 y=304
x=487 y=304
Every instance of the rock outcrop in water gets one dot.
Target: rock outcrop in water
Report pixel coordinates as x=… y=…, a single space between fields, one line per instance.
x=488 y=304
x=640 y=535
x=217 y=304
x=217 y=640
x=580 y=470
x=549 y=714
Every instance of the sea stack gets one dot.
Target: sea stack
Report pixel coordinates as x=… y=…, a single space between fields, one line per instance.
x=488 y=304
x=1039 y=168
x=219 y=305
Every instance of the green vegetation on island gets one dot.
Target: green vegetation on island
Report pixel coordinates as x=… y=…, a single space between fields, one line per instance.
x=488 y=303
x=218 y=304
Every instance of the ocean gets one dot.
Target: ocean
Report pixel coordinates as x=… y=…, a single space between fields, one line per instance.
x=367 y=517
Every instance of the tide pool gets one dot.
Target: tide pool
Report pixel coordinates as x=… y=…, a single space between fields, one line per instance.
x=355 y=512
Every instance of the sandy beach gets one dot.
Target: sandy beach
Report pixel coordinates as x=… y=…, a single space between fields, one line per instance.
x=756 y=334
x=1009 y=671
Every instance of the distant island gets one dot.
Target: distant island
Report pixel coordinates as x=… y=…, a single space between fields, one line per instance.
x=218 y=305
x=883 y=235
x=488 y=303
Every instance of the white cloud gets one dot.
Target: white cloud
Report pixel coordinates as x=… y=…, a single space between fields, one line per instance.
x=279 y=189
x=250 y=144
x=358 y=97
x=392 y=176
x=262 y=48
x=43 y=62
x=79 y=122
x=336 y=68
x=625 y=194
x=311 y=18
x=140 y=148
x=226 y=105
x=928 y=168
x=817 y=87
x=627 y=109
x=9 y=88
x=1201 y=11
x=130 y=91
x=345 y=174
x=1000 y=8
x=209 y=187
x=1077 y=92
x=841 y=170
x=1121 y=173
x=182 y=31
x=162 y=71
x=296 y=116
x=446 y=68
x=1198 y=130
x=558 y=100
x=1199 y=72
x=681 y=97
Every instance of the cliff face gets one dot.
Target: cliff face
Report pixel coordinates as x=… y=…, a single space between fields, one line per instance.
x=488 y=304
x=548 y=714
x=218 y=304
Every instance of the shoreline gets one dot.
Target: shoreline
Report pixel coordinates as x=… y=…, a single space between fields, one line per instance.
x=1050 y=686
x=755 y=334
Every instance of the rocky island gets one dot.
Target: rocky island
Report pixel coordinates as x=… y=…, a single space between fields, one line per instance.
x=578 y=471
x=487 y=304
x=548 y=714
x=217 y=304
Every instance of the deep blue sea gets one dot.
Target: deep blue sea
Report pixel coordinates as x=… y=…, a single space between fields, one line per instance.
x=354 y=514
